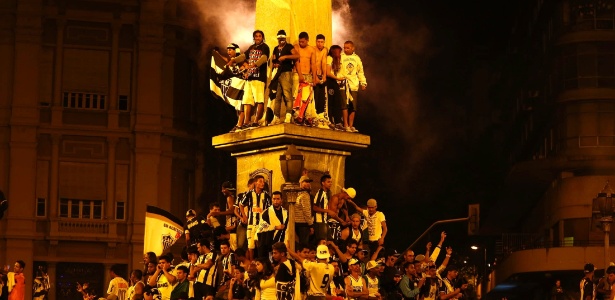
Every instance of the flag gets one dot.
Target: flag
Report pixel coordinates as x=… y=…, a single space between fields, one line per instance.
x=162 y=230
x=226 y=83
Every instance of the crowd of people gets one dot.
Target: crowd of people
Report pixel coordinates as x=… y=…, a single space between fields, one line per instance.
x=241 y=250
x=308 y=85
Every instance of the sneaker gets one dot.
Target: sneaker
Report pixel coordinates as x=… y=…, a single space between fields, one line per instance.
x=275 y=121
x=352 y=129
x=235 y=129
x=245 y=127
x=347 y=129
x=339 y=127
x=322 y=124
x=253 y=125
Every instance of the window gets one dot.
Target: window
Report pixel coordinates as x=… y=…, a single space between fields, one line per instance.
x=122 y=103
x=80 y=100
x=81 y=209
x=41 y=207
x=120 y=209
x=588 y=65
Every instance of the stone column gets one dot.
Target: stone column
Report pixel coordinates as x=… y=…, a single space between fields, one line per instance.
x=54 y=176
x=147 y=114
x=19 y=230
x=57 y=106
x=110 y=203
x=112 y=112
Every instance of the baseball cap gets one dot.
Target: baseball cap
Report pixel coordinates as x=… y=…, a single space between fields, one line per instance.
x=392 y=252
x=353 y=261
x=371 y=202
x=351 y=192
x=305 y=178
x=419 y=258
x=589 y=267
x=371 y=264
x=228 y=185
x=322 y=252
x=233 y=46
x=281 y=34
x=190 y=212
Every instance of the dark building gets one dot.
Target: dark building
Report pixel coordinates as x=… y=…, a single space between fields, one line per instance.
x=558 y=83
x=100 y=109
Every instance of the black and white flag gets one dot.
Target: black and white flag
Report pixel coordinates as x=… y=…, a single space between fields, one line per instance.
x=162 y=230
x=226 y=82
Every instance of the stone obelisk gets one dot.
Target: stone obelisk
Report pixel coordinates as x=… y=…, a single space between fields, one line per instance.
x=294 y=16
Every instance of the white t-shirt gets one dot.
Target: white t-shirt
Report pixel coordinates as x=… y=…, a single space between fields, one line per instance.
x=374 y=224
x=118 y=287
x=164 y=286
x=320 y=274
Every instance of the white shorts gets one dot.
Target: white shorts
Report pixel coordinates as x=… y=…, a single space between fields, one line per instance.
x=254 y=92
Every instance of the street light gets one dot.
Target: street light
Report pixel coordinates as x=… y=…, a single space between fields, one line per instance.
x=291 y=165
x=483 y=288
x=603 y=211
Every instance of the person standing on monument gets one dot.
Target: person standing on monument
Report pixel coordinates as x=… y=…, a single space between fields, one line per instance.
x=284 y=57
x=336 y=89
x=256 y=202
x=256 y=65
x=319 y=81
x=355 y=79
x=320 y=206
x=306 y=68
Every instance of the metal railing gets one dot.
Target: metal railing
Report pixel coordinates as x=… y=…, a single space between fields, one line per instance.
x=512 y=242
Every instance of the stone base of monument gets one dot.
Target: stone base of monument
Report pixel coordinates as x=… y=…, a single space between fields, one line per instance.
x=258 y=152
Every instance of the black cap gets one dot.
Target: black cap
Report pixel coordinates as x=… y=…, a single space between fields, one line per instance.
x=228 y=185
x=589 y=267
x=281 y=34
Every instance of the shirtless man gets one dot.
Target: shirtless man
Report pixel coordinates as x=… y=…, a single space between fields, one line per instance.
x=305 y=68
x=338 y=216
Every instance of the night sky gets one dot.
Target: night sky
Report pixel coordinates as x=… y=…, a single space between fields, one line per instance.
x=430 y=66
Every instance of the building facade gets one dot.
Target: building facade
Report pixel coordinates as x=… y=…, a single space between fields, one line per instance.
x=559 y=86
x=99 y=116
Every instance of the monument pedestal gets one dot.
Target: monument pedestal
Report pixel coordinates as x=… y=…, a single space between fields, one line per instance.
x=258 y=152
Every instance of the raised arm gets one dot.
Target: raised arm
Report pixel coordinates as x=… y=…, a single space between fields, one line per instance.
x=375 y=254
x=436 y=251
x=339 y=252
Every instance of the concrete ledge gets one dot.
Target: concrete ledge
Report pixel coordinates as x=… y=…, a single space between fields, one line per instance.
x=284 y=134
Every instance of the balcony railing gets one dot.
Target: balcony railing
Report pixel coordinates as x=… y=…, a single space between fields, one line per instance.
x=88 y=227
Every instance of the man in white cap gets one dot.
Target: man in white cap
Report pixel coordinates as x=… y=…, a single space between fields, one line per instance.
x=303 y=211
x=321 y=272
x=338 y=218
x=356 y=287
x=376 y=224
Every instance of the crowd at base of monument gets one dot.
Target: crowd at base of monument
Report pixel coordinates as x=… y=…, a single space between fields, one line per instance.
x=243 y=252
x=308 y=85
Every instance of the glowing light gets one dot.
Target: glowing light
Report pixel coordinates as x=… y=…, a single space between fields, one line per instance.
x=474 y=247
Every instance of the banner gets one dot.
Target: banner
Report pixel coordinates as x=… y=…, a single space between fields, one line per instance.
x=226 y=83
x=162 y=230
